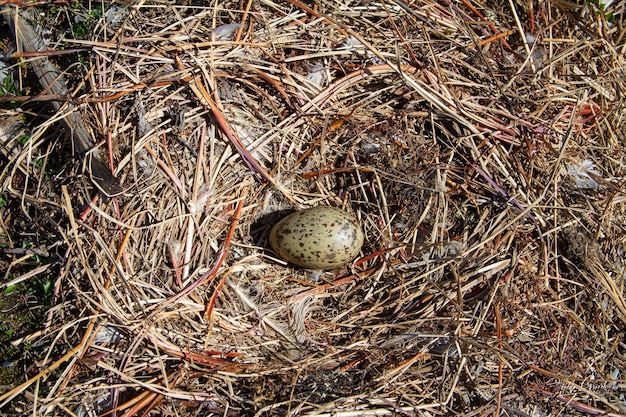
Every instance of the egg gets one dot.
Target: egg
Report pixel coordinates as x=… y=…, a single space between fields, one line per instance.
x=318 y=238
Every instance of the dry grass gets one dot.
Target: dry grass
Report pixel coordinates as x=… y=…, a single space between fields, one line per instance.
x=486 y=165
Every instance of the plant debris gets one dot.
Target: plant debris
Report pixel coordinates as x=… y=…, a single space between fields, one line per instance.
x=479 y=144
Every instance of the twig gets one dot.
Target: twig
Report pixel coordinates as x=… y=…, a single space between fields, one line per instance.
x=52 y=80
x=577 y=405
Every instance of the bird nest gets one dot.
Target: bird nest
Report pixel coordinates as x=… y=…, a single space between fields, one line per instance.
x=479 y=146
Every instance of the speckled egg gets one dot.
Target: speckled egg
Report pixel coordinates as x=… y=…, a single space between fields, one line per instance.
x=318 y=238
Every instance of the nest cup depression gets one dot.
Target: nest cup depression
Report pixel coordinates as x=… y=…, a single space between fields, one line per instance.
x=318 y=238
